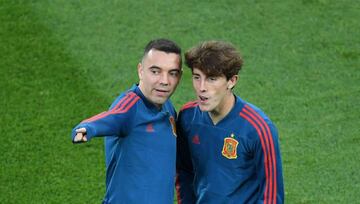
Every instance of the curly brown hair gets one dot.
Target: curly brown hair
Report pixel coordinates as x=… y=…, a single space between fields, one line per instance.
x=214 y=58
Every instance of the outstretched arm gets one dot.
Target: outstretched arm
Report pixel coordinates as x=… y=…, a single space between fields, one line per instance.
x=113 y=122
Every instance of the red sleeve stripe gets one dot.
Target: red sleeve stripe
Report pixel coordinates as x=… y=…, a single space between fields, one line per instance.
x=189 y=105
x=266 y=158
x=121 y=107
x=268 y=148
x=177 y=187
x=272 y=149
x=128 y=105
x=123 y=101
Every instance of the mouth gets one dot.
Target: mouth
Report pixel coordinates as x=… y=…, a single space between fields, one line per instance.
x=203 y=99
x=162 y=92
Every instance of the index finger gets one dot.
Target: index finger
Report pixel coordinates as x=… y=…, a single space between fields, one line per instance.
x=81 y=130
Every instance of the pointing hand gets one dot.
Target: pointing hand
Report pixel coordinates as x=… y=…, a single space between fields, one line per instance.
x=80 y=135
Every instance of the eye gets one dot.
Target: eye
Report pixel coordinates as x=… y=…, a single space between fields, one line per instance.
x=195 y=77
x=212 y=78
x=155 y=71
x=174 y=73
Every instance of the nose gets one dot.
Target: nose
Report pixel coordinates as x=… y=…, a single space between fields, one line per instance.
x=164 y=80
x=202 y=86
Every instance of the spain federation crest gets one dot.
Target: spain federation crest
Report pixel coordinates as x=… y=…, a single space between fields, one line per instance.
x=173 y=125
x=229 y=148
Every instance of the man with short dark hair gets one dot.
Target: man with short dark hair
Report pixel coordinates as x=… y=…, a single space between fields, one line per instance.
x=228 y=149
x=139 y=130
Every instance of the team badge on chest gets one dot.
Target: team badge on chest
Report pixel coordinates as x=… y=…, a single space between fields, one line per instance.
x=229 y=148
x=173 y=125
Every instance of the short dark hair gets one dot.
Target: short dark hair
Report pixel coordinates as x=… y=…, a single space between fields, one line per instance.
x=214 y=58
x=164 y=45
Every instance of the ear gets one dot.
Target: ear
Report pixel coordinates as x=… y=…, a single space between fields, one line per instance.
x=232 y=81
x=140 y=70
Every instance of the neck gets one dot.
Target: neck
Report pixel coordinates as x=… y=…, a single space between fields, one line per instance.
x=223 y=109
x=143 y=92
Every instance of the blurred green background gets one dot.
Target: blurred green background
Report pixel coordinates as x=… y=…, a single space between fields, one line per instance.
x=63 y=61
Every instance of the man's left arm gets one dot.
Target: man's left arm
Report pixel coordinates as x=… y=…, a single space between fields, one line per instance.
x=184 y=168
x=269 y=167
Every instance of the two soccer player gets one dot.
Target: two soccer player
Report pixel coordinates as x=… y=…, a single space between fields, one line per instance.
x=227 y=149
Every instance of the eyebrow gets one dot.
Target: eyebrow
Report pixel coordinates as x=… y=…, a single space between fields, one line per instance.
x=171 y=70
x=154 y=67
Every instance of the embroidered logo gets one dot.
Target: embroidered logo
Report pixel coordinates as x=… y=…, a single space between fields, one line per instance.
x=173 y=125
x=150 y=128
x=196 y=139
x=229 y=148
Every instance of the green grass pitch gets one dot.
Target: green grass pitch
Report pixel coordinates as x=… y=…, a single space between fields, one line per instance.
x=63 y=61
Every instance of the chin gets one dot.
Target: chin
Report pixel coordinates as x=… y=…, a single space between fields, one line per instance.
x=160 y=101
x=204 y=108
